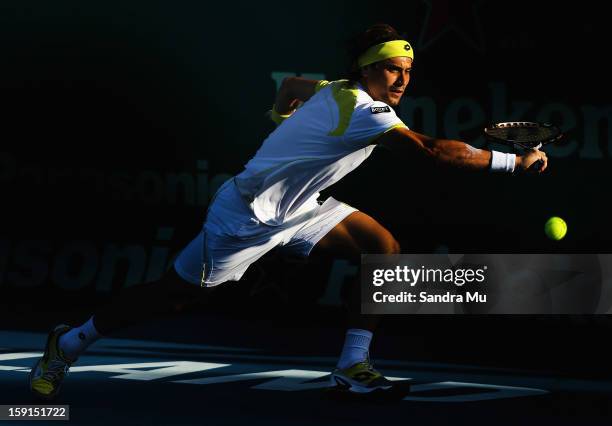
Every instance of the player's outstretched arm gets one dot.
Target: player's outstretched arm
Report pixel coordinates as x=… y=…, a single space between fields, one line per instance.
x=445 y=152
x=293 y=90
x=448 y=152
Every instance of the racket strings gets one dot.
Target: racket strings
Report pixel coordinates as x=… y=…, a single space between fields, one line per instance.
x=524 y=134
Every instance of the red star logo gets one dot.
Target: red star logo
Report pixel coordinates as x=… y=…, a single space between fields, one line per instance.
x=451 y=17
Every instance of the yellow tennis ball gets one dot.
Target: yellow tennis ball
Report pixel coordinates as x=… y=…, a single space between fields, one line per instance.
x=555 y=228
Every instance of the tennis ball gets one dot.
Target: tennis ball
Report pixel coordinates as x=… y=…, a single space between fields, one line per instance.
x=555 y=228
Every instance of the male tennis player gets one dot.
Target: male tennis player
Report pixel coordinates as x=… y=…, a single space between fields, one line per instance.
x=274 y=203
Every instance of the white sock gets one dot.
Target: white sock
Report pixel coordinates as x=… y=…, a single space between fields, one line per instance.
x=74 y=342
x=356 y=346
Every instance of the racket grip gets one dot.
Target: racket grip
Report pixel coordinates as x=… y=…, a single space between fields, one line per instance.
x=536 y=166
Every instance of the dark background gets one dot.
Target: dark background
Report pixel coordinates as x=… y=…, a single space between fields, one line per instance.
x=103 y=103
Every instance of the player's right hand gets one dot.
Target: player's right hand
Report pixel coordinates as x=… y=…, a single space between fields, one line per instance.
x=527 y=162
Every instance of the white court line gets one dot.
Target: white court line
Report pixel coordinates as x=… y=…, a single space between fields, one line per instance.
x=20 y=355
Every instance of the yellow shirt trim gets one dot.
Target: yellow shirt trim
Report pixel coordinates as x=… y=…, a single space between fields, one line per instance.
x=320 y=84
x=345 y=96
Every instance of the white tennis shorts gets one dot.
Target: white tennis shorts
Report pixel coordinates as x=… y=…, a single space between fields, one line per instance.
x=232 y=238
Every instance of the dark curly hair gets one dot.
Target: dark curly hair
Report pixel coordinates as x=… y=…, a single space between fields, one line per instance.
x=357 y=45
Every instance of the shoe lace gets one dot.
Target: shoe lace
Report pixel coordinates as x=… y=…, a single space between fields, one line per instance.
x=369 y=363
x=56 y=370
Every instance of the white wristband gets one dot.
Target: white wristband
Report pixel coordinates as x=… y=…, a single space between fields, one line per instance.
x=501 y=162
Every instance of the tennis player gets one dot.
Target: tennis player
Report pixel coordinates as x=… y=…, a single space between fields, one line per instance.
x=274 y=203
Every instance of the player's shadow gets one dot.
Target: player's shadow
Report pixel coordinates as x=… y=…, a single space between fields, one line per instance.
x=397 y=393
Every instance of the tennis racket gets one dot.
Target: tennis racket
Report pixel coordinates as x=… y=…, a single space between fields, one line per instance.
x=524 y=135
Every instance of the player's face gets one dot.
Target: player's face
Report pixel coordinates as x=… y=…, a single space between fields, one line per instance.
x=386 y=80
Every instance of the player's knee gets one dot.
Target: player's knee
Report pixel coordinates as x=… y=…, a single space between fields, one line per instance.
x=388 y=246
x=393 y=247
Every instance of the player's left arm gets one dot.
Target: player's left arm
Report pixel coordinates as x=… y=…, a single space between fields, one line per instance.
x=448 y=152
x=293 y=90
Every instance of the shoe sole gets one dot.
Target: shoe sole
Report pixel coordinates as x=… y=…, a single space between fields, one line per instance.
x=49 y=397
x=347 y=385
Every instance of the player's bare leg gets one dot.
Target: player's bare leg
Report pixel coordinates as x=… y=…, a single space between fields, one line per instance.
x=136 y=304
x=140 y=303
x=357 y=234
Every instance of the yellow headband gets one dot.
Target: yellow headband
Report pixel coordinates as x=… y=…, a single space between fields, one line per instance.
x=386 y=50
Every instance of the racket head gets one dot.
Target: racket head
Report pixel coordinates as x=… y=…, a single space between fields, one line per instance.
x=524 y=134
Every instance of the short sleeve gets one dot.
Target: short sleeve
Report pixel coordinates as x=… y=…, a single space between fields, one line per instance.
x=369 y=121
x=320 y=84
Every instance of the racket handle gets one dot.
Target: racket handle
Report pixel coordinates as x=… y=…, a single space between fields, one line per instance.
x=536 y=166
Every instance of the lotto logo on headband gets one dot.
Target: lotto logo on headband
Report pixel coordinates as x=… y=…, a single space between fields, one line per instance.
x=407 y=47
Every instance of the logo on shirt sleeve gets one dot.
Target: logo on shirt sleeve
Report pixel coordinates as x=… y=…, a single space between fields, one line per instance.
x=379 y=109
